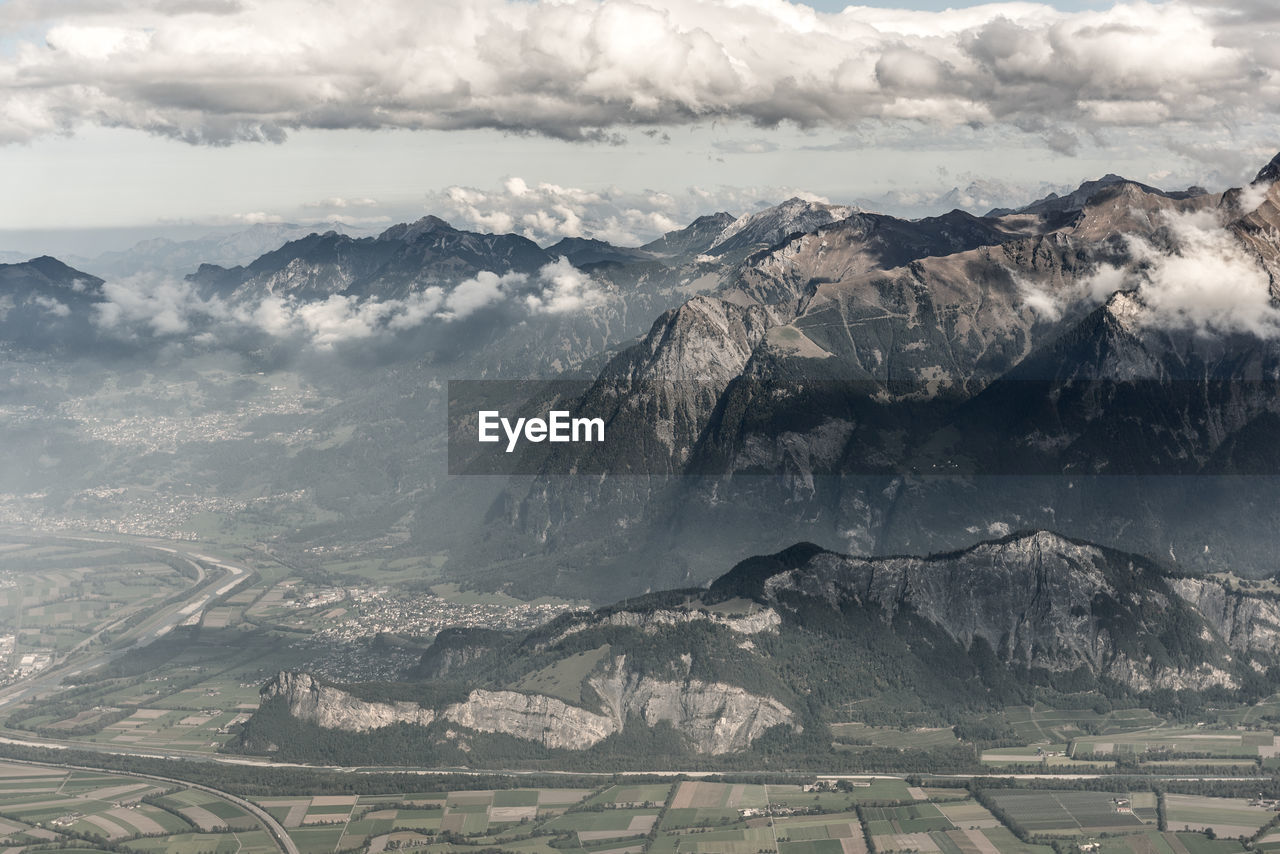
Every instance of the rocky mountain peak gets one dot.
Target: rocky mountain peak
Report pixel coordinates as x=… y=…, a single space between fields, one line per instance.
x=1270 y=173
x=769 y=226
x=46 y=271
x=1095 y=191
x=409 y=232
x=694 y=239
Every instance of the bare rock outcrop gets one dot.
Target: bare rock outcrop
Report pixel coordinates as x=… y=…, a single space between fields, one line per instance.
x=332 y=708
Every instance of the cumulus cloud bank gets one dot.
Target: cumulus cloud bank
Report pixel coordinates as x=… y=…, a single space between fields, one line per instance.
x=1208 y=282
x=221 y=71
x=546 y=213
x=165 y=307
x=1200 y=277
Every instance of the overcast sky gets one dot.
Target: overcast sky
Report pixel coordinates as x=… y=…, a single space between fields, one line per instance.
x=606 y=117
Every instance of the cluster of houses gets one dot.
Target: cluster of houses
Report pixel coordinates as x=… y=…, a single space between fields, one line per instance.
x=67 y=820
x=755 y=812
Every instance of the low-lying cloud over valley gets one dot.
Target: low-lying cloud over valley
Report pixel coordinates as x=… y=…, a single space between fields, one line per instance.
x=156 y=306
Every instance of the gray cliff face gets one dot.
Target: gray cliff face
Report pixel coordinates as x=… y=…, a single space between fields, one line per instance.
x=1008 y=594
x=1249 y=624
x=660 y=394
x=1034 y=601
x=714 y=717
x=550 y=722
x=717 y=718
x=332 y=708
x=1259 y=229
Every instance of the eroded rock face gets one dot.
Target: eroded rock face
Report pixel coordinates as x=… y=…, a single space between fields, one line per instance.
x=534 y=717
x=333 y=708
x=1248 y=624
x=717 y=718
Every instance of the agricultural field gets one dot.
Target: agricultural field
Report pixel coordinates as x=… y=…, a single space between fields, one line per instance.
x=1153 y=841
x=1068 y=813
x=632 y=795
x=50 y=806
x=689 y=816
x=1228 y=817
x=870 y=790
x=189 y=694
x=40 y=806
x=342 y=822
x=65 y=603
x=61 y=598
x=1089 y=740
x=918 y=738
x=1196 y=741
x=1044 y=725
x=57 y=595
x=1050 y=755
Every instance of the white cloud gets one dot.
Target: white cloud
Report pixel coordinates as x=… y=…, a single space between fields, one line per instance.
x=564 y=290
x=169 y=308
x=56 y=307
x=417 y=309
x=222 y=72
x=1042 y=302
x=474 y=294
x=1253 y=195
x=1208 y=283
x=162 y=305
x=342 y=318
x=546 y=212
x=342 y=203
x=256 y=218
x=1195 y=274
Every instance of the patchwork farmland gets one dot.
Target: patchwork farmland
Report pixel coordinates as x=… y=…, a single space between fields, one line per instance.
x=45 y=807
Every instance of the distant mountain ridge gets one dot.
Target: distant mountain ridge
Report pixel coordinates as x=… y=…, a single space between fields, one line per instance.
x=400 y=260
x=180 y=257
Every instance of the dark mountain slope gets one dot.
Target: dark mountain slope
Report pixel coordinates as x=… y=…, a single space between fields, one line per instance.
x=45 y=303
x=404 y=258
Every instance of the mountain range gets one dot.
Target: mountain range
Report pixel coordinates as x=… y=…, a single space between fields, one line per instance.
x=806 y=372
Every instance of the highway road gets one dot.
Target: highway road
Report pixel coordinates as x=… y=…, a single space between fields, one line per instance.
x=281 y=836
x=82 y=658
x=256 y=762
